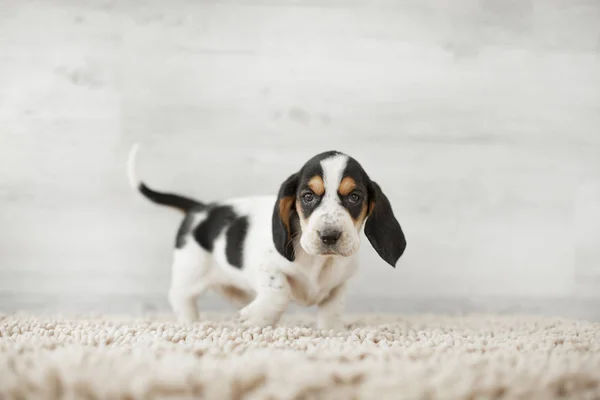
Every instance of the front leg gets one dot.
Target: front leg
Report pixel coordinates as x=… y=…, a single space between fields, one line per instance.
x=330 y=309
x=272 y=298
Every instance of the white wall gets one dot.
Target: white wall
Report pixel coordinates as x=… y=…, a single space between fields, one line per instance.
x=480 y=119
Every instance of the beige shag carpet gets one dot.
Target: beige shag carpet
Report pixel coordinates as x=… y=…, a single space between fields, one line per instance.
x=378 y=357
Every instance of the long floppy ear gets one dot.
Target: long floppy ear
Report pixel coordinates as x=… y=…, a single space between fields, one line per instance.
x=382 y=228
x=284 y=208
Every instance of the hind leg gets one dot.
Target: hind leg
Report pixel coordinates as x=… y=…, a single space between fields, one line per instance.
x=191 y=266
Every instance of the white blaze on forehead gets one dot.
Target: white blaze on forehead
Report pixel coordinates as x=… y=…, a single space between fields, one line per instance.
x=333 y=168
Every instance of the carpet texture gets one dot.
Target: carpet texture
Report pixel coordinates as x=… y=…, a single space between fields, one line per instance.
x=378 y=357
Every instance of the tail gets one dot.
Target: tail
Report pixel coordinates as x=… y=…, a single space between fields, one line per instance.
x=181 y=203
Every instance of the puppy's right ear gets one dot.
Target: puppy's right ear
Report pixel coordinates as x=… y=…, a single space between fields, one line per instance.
x=284 y=209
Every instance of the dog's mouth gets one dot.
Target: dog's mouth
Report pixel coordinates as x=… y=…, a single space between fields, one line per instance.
x=328 y=252
x=335 y=252
x=323 y=251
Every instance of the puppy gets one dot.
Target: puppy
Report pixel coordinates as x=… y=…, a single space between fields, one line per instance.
x=264 y=252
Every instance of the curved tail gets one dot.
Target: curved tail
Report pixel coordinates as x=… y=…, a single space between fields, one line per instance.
x=181 y=203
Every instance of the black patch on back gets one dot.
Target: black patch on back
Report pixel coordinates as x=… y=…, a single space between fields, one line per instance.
x=217 y=219
x=236 y=234
x=184 y=229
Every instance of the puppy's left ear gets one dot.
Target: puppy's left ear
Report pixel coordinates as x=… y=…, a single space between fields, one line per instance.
x=382 y=229
x=282 y=214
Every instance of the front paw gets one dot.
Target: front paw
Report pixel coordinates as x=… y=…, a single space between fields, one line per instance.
x=255 y=317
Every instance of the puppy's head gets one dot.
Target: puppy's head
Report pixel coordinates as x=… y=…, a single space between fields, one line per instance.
x=323 y=206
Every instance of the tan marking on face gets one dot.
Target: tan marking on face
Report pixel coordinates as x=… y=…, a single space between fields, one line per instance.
x=363 y=214
x=303 y=220
x=316 y=185
x=347 y=185
x=285 y=208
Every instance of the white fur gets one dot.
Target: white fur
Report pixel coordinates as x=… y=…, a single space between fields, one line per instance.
x=266 y=274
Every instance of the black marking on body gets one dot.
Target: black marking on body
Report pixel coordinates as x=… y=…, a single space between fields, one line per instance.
x=236 y=235
x=184 y=229
x=208 y=230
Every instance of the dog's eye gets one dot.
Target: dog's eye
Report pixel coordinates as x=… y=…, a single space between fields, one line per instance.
x=354 y=198
x=308 y=197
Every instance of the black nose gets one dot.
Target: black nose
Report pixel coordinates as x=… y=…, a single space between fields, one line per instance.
x=330 y=237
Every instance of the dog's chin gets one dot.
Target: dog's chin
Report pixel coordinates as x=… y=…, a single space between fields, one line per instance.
x=339 y=253
x=328 y=252
x=318 y=250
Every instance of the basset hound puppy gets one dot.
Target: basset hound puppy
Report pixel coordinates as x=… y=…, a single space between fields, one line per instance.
x=264 y=252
